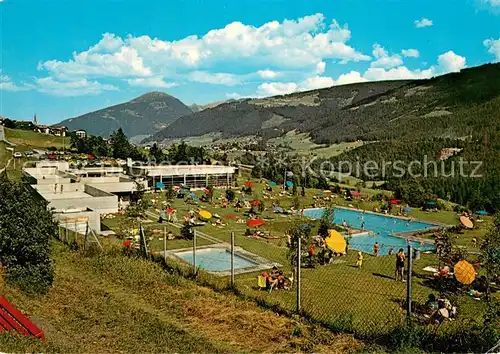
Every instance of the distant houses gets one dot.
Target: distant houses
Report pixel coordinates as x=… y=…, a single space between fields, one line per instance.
x=82 y=134
x=34 y=126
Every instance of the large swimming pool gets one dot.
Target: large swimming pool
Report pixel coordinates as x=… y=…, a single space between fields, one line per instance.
x=215 y=259
x=381 y=227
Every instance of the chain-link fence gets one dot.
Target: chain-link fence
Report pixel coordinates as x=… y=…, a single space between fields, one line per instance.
x=367 y=289
x=353 y=291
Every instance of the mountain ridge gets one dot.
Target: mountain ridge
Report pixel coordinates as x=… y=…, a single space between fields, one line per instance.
x=143 y=115
x=371 y=110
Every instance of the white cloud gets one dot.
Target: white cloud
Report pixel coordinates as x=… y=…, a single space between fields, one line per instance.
x=267 y=74
x=151 y=82
x=350 y=78
x=446 y=62
x=450 y=62
x=78 y=87
x=215 y=78
x=276 y=88
x=293 y=46
x=316 y=82
x=493 y=46
x=410 y=53
x=383 y=59
x=493 y=3
x=423 y=22
x=6 y=84
x=400 y=73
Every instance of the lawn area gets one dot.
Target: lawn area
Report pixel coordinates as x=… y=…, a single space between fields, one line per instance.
x=366 y=301
x=5 y=155
x=33 y=139
x=112 y=303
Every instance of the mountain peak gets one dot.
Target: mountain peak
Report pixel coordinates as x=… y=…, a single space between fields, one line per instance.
x=152 y=96
x=143 y=115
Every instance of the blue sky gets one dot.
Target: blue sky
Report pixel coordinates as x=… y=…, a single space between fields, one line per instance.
x=63 y=58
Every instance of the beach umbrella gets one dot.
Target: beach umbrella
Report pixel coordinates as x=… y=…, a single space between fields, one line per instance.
x=248 y=184
x=205 y=215
x=289 y=183
x=395 y=201
x=481 y=212
x=160 y=185
x=272 y=184
x=466 y=222
x=464 y=272
x=206 y=191
x=255 y=202
x=335 y=241
x=356 y=194
x=254 y=223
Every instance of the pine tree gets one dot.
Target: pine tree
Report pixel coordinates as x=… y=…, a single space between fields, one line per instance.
x=26 y=227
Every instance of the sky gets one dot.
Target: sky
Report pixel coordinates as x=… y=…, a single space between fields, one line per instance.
x=63 y=58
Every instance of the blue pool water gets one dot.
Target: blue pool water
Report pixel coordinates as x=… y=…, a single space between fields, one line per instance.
x=381 y=226
x=215 y=259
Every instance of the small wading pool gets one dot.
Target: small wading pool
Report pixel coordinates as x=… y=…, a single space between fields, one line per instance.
x=381 y=228
x=216 y=259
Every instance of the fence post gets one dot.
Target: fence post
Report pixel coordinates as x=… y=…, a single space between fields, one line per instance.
x=408 y=282
x=66 y=232
x=232 y=258
x=194 y=252
x=165 y=243
x=298 y=274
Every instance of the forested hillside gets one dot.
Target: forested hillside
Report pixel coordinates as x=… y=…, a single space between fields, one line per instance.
x=453 y=105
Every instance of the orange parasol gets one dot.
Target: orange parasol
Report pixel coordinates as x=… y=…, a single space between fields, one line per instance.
x=256 y=222
x=464 y=272
x=249 y=184
x=466 y=222
x=255 y=202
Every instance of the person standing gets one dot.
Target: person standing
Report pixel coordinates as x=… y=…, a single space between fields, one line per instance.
x=311 y=255
x=400 y=265
x=359 y=262
x=376 y=249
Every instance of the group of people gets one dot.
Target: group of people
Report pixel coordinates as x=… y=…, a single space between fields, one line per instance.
x=439 y=310
x=277 y=280
x=400 y=262
x=168 y=214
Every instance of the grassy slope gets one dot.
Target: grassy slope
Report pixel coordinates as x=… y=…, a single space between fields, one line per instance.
x=113 y=303
x=34 y=140
x=328 y=291
x=5 y=155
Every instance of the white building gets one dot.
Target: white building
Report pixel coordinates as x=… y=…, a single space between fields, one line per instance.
x=195 y=176
x=82 y=134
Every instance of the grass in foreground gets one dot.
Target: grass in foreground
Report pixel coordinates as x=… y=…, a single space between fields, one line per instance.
x=33 y=139
x=113 y=303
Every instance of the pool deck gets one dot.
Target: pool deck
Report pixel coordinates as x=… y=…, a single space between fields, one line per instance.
x=408 y=235
x=261 y=263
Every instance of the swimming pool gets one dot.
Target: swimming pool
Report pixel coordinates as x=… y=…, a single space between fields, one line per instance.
x=381 y=226
x=215 y=259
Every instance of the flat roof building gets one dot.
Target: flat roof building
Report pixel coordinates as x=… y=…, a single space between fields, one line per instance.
x=194 y=176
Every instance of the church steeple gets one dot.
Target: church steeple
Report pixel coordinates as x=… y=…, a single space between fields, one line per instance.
x=35 y=120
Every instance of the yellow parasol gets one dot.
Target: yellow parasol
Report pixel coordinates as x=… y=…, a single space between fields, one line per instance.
x=335 y=241
x=466 y=222
x=464 y=272
x=205 y=215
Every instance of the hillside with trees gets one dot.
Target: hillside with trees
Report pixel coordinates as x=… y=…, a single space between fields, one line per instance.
x=453 y=105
